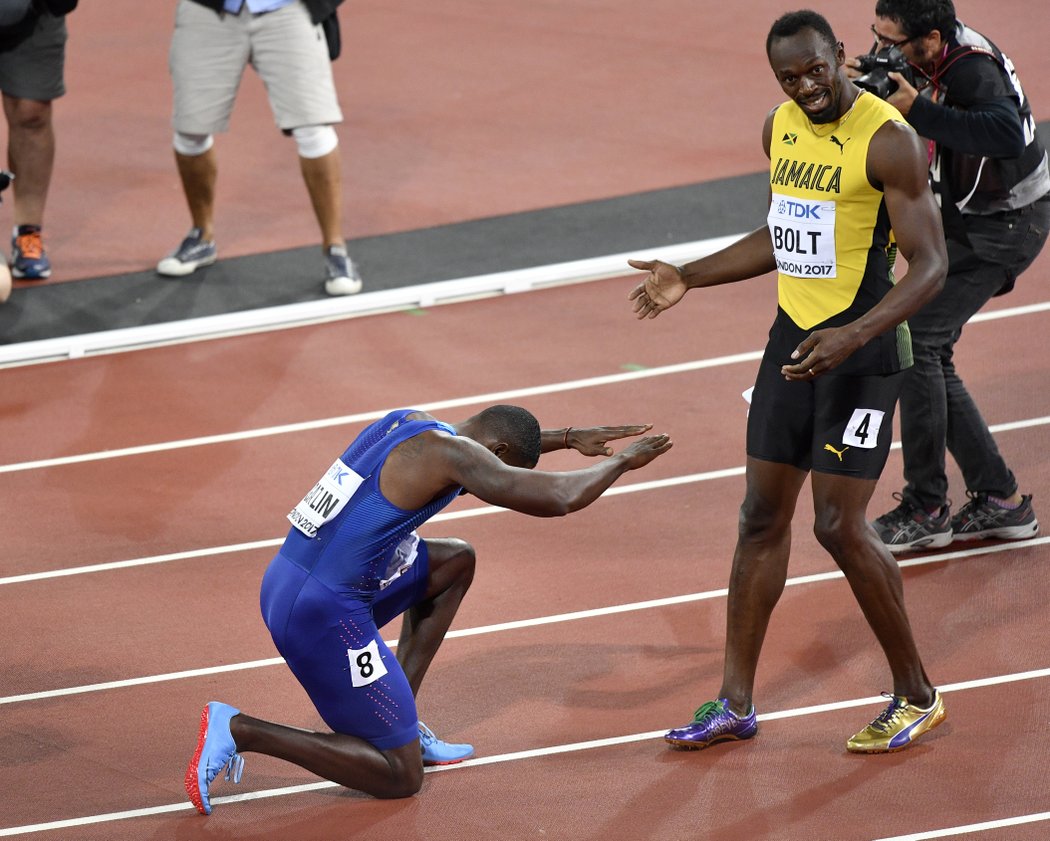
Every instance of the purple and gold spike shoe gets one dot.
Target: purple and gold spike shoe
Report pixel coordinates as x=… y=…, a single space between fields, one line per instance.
x=712 y=723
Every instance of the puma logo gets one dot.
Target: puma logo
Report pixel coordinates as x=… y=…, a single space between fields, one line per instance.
x=831 y=449
x=841 y=143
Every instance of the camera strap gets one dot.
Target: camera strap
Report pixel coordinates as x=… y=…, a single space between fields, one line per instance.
x=952 y=56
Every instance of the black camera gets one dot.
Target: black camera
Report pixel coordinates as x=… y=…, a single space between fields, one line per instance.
x=5 y=179
x=876 y=68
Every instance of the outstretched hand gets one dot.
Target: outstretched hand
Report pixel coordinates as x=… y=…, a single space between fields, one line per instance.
x=639 y=453
x=591 y=441
x=661 y=290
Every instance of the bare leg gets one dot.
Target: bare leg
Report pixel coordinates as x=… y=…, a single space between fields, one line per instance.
x=759 y=572
x=346 y=760
x=198 y=174
x=424 y=625
x=30 y=155
x=323 y=178
x=842 y=528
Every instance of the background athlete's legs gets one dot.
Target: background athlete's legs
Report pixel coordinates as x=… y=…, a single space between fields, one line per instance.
x=759 y=572
x=841 y=526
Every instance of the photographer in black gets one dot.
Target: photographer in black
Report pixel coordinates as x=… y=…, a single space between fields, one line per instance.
x=988 y=169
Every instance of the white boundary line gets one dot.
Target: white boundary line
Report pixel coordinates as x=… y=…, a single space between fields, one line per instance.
x=552 y=750
x=951 y=832
x=971 y=827
x=368 y=303
x=371 y=303
x=519 y=624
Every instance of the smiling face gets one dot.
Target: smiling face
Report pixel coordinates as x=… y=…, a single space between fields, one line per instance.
x=809 y=70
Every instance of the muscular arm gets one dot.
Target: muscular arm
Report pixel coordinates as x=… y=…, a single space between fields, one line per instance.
x=748 y=257
x=542 y=494
x=992 y=128
x=897 y=162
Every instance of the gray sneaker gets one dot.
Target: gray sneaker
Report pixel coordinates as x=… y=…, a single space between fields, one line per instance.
x=980 y=519
x=341 y=275
x=193 y=253
x=908 y=527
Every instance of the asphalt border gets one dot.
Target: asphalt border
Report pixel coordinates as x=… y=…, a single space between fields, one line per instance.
x=467 y=250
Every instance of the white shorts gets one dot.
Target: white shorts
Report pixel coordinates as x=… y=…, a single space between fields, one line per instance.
x=209 y=53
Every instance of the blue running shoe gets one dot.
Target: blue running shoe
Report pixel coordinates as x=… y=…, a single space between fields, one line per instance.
x=194 y=252
x=437 y=752
x=341 y=274
x=215 y=750
x=28 y=258
x=713 y=722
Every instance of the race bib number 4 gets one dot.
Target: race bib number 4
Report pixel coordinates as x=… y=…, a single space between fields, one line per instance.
x=803 y=234
x=366 y=664
x=326 y=499
x=862 y=431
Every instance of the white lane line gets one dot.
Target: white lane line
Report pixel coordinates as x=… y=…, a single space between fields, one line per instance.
x=1010 y=312
x=343 y=420
x=496 y=397
x=517 y=756
x=518 y=624
x=137 y=562
x=479 y=511
x=953 y=831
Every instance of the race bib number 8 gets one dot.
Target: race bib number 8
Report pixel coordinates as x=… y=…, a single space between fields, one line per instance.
x=325 y=499
x=366 y=664
x=862 y=431
x=803 y=234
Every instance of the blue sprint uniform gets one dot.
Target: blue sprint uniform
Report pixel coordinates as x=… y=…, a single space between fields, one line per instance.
x=352 y=562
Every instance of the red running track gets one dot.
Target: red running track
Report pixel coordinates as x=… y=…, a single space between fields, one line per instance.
x=91 y=736
x=551 y=687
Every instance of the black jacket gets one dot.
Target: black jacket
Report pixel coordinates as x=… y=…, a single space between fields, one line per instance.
x=14 y=34
x=987 y=154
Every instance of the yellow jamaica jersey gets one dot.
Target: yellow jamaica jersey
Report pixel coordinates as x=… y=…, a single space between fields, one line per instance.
x=829 y=225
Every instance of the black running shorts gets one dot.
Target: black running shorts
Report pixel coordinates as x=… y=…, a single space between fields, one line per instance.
x=840 y=424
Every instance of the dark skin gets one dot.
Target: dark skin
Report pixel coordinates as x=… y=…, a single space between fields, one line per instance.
x=896 y=164
x=421 y=468
x=812 y=73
